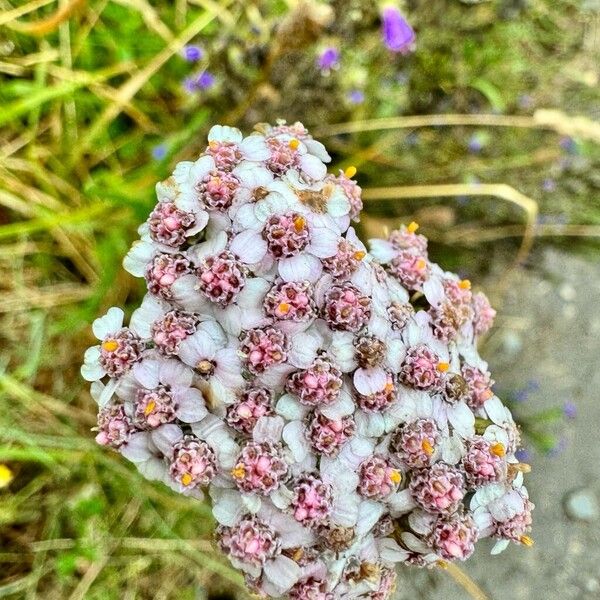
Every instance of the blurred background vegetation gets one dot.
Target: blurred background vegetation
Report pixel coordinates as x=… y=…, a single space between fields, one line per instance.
x=98 y=102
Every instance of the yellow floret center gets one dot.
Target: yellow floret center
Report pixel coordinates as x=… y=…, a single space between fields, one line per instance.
x=294 y=143
x=284 y=308
x=350 y=171
x=110 y=345
x=498 y=449
x=526 y=541
x=427 y=447
x=395 y=476
x=186 y=479
x=299 y=223
x=464 y=284
x=238 y=472
x=442 y=367
x=149 y=407
x=359 y=255
x=412 y=227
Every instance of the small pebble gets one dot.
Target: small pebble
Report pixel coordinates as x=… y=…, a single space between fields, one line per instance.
x=582 y=505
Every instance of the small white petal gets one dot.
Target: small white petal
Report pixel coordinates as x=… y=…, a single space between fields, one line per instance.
x=382 y=250
x=165 y=436
x=249 y=246
x=283 y=572
x=110 y=323
x=300 y=268
x=268 y=429
x=369 y=381
x=224 y=133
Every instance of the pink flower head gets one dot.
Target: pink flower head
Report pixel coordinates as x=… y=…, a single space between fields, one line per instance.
x=454 y=388
x=406 y=238
x=221 y=278
x=174 y=327
x=484 y=462
x=516 y=527
x=414 y=444
x=251 y=541
x=114 y=426
x=119 y=352
x=260 y=468
x=217 y=189
x=327 y=436
x=193 y=462
x=453 y=537
x=154 y=407
x=420 y=368
x=284 y=154
x=262 y=348
x=169 y=225
x=381 y=400
x=458 y=291
x=310 y=589
x=286 y=234
x=346 y=308
x=399 y=314
x=410 y=268
x=345 y=262
x=377 y=478
x=312 y=501
x=253 y=404
x=291 y=301
x=163 y=271
x=320 y=384
x=225 y=154
x=446 y=320
x=483 y=314
x=438 y=489
x=479 y=384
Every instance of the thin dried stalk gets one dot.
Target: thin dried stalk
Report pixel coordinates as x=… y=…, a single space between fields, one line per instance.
x=50 y=23
x=464 y=581
x=554 y=120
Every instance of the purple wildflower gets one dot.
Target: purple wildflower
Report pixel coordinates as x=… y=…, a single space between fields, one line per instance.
x=523 y=455
x=549 y=185
x=192 y=53
x=329 y=59
x=159 y=151
x=570 y=410
x=356 y=97
x=398 y=35
x=475 y=144
x=198 y=83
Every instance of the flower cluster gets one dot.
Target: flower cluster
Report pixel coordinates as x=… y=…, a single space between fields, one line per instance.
x=339 y=426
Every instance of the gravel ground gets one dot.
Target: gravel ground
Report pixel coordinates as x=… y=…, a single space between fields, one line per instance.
x=549 y=331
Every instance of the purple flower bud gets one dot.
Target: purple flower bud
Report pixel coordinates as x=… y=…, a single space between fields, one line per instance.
x=198 y=83
x=398 y=35
x=159 y=152
x=356 y=97
x=329 y=59
x=569 y=410
x=192 y=53
x=206 y=80
x=475 y=144
x=523 y=455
